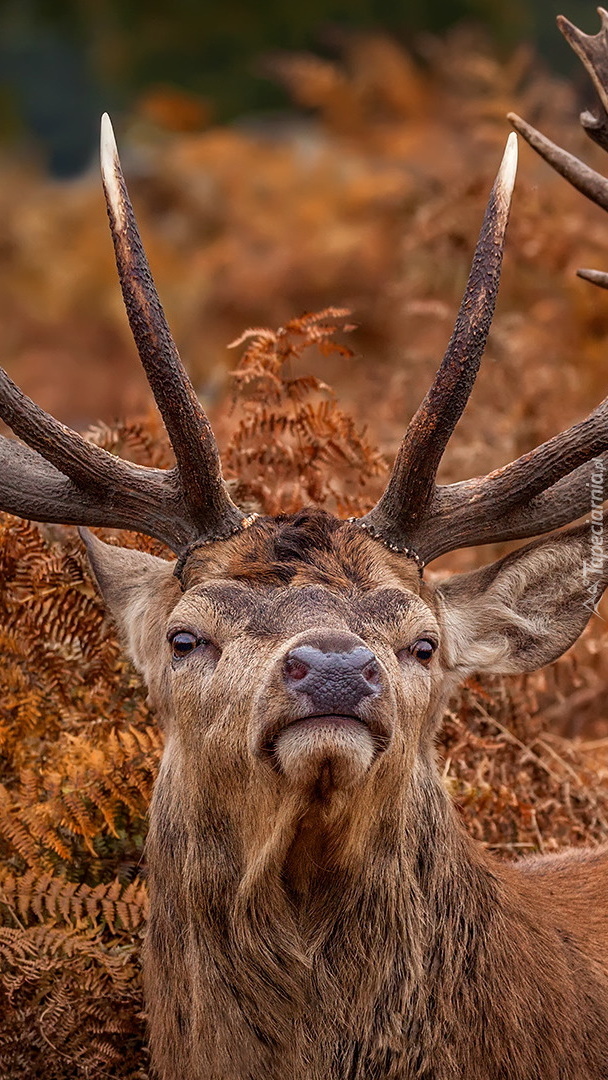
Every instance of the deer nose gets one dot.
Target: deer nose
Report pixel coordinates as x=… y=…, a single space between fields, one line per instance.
x=334 y=682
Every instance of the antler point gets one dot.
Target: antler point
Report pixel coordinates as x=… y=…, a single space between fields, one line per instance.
x=110 y=167
x=108 y=149
x=508 y=166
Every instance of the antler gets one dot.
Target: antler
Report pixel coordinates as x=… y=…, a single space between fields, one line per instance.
x=59 y=476
x=593 y=51
x=545 y=488
x=404 y=507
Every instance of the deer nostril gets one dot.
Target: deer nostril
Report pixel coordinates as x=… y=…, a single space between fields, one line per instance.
x=371 y=673
x=296 y=669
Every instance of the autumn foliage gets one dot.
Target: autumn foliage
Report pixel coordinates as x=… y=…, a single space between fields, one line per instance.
x=379 y=215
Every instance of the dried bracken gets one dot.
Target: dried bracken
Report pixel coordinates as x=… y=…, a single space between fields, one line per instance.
x=397 y=154
x=293 y=444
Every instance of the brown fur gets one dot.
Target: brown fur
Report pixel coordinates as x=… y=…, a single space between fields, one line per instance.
x=319 y=930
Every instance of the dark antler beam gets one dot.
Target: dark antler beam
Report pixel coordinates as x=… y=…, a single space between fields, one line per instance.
x=32 y=488
x=450 y=524
x=189 y=430
x=59 y=476
x=403 y=508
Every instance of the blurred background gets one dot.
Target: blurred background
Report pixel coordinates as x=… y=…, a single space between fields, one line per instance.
x=186 y=64
x=282 y=158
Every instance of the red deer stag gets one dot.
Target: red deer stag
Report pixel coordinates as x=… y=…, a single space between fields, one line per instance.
x=317 y=911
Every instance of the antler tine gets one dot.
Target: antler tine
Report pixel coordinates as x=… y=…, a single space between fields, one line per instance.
x=592 y=50
x=596 y=277
x=549 y=486
x=59 y=476
x=192 y=439
x=410 y=490
x=130 y=497
x=563 y=503
x=581 y=176
x=541 y=490
x=88 y=466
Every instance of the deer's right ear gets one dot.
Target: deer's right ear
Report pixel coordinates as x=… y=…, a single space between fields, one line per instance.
x=139 y=591
x=525 y=610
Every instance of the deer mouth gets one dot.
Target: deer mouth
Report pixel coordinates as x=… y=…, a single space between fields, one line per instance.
x=329 y=722
x=345 y=744
x=318 y=722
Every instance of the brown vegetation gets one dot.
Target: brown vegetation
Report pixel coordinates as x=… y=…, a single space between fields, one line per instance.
x=380 y=211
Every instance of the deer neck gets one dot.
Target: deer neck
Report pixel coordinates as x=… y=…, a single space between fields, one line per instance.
x=341 y=923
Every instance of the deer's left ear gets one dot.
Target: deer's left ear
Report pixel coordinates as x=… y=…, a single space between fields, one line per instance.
x=525 y=610
x=139 y=591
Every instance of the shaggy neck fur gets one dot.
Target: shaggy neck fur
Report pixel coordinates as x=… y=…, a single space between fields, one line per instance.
x=393 y=959
x=352 y=933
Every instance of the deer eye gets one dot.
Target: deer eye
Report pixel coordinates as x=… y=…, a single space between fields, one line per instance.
x=422 y=650
x=183 y=642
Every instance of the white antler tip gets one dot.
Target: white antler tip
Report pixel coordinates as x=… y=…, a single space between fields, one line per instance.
x=110 y=167
x=508 y=166
x=108 y=150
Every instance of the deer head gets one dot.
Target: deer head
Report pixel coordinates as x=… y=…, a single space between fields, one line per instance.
x=309 y=650
x=301 y=664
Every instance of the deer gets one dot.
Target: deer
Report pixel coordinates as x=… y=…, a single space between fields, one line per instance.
x=317 y=910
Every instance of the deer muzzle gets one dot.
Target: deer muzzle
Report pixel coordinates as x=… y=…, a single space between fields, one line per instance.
x=327 y=713
x=333 y=682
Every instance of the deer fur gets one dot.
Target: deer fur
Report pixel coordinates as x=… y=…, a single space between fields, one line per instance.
x=326 y=916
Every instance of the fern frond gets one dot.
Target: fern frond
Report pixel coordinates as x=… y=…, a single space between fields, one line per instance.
x=293 y=444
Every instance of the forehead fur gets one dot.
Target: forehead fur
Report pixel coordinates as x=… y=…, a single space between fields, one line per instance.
x=308 y=548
